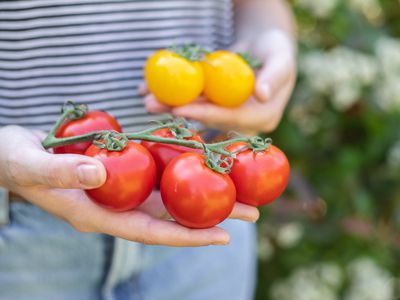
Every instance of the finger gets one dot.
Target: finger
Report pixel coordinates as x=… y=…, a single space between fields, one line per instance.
x=154 y=106
x=154 y=206
x=244 y=212
x=275 y=73
x=269 y=114
x=143 y=89
x=76 y=208
x=37 y=167
x=140 y=227
x=207 y=113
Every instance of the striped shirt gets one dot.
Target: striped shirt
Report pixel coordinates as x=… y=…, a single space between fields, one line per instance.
x=93 y=51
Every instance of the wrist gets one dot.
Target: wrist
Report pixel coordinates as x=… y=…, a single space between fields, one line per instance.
x=269 y=41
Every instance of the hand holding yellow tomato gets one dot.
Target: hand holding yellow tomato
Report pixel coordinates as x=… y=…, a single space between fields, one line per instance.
x=263 y=110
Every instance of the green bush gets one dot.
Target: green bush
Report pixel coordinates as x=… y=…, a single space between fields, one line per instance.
x=334 y=235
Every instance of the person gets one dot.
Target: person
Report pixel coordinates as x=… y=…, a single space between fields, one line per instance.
x=57 y=244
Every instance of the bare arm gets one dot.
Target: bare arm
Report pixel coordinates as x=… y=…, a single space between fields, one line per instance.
x=257 y=16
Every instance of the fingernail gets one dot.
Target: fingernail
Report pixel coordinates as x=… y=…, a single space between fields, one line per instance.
x=265 y=91
x=89 y=176
x=222 y=240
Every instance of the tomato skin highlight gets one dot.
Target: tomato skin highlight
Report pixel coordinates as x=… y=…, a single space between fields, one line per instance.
x=92 y=121
x=172 y=79
x=194 y=195
x=131 y=175
x=229 y=80
x=259 y=177
x=164 y=153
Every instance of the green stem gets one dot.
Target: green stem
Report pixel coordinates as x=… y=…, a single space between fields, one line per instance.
x=50 y=138
x=145 y=135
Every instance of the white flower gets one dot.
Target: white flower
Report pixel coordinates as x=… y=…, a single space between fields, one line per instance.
x=331 y=274
x=393 y=157
x=289 y=235
x=341 y=74
x=319 y=8
x=388 y=53
x=387 y=92
x=308 y=284
x=369 y=281
x=345 y=97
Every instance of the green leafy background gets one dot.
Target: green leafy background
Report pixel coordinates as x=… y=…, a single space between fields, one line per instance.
x=335 y=234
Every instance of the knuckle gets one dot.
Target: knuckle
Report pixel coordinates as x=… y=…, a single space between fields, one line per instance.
x=61 y=176
x=14 y=170
x=80 y=225
x=271 y=125
x=52 y=177
x=147 y=236
x=142 y=240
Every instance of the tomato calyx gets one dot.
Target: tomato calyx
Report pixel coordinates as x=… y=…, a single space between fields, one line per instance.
x=254 y=63
x=257 y=143
x=73 y=110
x=191 y=52
x=217 y=162
x=111 y=141
x=180 y=129
x=181 y=133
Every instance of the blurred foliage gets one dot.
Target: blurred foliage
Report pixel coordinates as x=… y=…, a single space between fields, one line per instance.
x=341 y=133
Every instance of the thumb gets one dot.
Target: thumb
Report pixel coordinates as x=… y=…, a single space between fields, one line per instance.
x=274 y=75
x=59 y=170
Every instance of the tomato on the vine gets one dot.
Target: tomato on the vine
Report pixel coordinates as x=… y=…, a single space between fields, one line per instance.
x=260 y=177
x=90 y=122
x=164 y=153
x=173 y=79
x=131 y=175
x=194 y=195
x=229 y=80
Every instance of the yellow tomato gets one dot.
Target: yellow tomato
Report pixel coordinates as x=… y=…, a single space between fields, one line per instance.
x=229 y=80
x=172 y=79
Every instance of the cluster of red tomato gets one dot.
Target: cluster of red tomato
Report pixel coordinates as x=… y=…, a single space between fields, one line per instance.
x=179 y=76
x=194 y=195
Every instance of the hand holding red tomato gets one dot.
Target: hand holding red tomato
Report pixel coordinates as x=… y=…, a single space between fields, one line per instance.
x=55 y=183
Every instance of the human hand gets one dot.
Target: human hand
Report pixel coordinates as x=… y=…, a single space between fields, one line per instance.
x=263 y=111
x=55 y=183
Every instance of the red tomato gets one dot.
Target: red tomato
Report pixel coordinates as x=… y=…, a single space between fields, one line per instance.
x=131 y=175
x=92 y=121
x=164 y=153
x=194 y=195
x=259 y=177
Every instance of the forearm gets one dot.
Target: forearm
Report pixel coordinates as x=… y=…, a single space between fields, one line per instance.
x=255 y=17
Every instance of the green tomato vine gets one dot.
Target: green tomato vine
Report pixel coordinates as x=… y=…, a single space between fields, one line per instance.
x=217 y=157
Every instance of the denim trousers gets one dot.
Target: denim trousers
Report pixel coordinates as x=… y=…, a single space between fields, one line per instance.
x=42 y=257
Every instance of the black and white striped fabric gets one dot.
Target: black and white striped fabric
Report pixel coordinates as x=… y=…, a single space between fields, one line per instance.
x=93 y=51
